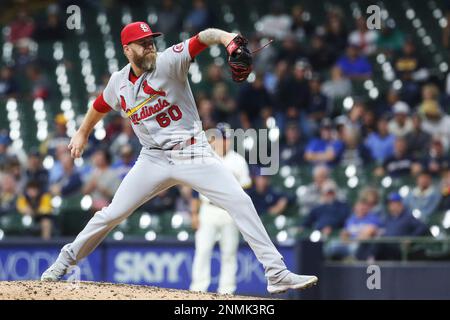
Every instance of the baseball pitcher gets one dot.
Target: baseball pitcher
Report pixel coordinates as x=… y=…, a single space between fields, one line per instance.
x=153 y=91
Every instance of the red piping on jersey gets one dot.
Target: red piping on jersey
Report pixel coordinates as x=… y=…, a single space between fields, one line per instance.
x=100 y=105
x=196 y=46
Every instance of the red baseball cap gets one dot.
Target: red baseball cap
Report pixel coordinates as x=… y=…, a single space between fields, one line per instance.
x=135 y=31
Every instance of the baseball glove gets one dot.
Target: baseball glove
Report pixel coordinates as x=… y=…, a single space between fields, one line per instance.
x=239 y=58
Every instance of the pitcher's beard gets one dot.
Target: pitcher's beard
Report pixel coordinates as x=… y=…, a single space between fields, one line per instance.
x=146 y=63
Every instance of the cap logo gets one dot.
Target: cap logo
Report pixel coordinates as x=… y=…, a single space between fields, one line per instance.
x=144 y=27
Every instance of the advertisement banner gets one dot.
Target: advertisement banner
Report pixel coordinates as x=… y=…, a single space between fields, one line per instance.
x=27 y=262
x=171 y=266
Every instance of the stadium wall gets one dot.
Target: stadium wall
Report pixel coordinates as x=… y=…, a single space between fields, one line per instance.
x=168 y=264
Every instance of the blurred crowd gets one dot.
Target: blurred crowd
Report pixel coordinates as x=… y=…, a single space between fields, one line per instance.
x=307 y=84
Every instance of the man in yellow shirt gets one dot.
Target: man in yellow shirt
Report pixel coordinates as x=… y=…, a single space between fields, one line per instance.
x=37 y=204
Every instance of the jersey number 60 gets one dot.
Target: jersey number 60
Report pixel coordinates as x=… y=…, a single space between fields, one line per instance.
x=173 y=113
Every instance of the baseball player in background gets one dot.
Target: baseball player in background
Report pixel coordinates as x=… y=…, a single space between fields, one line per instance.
x=153 y=91
x=215 y=224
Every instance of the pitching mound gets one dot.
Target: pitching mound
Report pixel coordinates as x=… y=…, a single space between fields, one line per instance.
x=37 y=290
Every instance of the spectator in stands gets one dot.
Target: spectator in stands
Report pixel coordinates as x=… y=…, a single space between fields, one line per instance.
x=292 y=146
x=361 y=225
x=126 y=136
x=125 y=162
x=275 y=24
x=369 y=123
x=445 y=191
x=399 y=222
x=410 y=69
x=40 y=83
x=301 y=27
x=435 y=122
x=36 y=203
x=70 y=181
x=446 y=29
x=35 y=171
x=317 y=108
x=320 y=55
x=113 y=127
x=408 y=65
x=52 y=29
x=56 y=172
x=252 y=98
x=169 y=18
x=56 y=137
x=436 y=160
x=14 y=167
x=22 y=27
x=183 y=201
x=381 y=143
x=354 y=118
x=371 y=196
x=392 y=96
x=336 y=33
x=418 y=140
x=399 y=164
x=363 y=38
x=290 y=50
x=325 y=149
x=199 y=18
x=330 y=215
x=265 y=198
x=338 y=87
x=5 y=156
x=354 y=65
x=22 y=55
x=272 y=78
x=103 y=181
x=390 y=39
x=207 y=113
x=430 y=92
x=8 y=194
x=8 y=85
x=224 y=103
x=292 y=92
x=313 y=192
x=163 y=202
x=424 y=199
x=355 y=153
x=401 y=124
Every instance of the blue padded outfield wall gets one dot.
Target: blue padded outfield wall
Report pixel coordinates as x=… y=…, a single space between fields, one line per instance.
x=168 y=265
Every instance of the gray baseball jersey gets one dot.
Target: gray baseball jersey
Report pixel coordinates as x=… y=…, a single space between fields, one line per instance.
x=159 y=104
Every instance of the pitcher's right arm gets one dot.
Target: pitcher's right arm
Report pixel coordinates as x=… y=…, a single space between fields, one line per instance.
x=80 y=139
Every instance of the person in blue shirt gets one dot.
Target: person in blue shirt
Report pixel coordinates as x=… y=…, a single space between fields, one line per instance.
x=325 y=149
x=354 y=65
x=265 y=198
x=424 y=197
x=70 y=182
x=361 y=225
x=381 y=143
x=292 y=146
x=399 y=163
x=399 y=222
x=330 y=215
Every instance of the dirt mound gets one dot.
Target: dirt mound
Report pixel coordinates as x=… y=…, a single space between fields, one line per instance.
x=37 y=290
